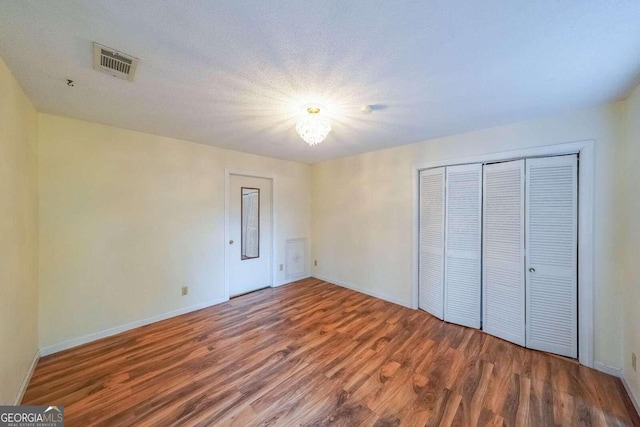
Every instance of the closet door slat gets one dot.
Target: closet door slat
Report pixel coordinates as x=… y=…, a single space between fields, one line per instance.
x=431 y=263
x=463 y=245
x=503 y=307
x=551 y=230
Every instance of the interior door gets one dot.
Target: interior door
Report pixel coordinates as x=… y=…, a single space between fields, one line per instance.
x=462 y=286
x=551 y=270
x=249 y=245
x=431 y=263
x=503 y=251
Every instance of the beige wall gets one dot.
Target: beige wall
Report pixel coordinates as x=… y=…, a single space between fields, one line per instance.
x=18 y=236
x=362 y=210
x=127 y=219
x=630 y=244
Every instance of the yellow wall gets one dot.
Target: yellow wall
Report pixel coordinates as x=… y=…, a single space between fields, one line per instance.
x=18 y=236
x=630 y=244
x=128 y=218
x=362 y=210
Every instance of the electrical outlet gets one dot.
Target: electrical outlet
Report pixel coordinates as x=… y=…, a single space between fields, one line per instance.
x=315 y=262
x=633 y=361
x=281 y=267
x=185 y=290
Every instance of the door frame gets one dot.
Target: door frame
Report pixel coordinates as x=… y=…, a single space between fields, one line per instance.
x=227 y=206
x=586 y=199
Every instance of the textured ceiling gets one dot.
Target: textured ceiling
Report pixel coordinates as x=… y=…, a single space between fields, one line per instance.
x=234 y=73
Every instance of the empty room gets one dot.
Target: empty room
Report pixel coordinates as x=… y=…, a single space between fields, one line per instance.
x=350 y=213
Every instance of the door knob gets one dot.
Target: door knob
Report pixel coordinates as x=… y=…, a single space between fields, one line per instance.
x=532 y=270
x=231 y=242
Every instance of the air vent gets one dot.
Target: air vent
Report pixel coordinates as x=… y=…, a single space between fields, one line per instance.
x=114 y=63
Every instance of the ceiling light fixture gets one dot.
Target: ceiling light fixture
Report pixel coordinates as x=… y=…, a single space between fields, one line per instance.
x=313 y=126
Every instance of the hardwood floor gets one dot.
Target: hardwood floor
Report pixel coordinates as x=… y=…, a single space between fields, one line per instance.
x=313 y=353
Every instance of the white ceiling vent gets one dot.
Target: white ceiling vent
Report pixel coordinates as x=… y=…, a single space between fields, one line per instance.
x=114 y=63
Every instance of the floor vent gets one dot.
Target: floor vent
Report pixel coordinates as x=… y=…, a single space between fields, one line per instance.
x=114 y=63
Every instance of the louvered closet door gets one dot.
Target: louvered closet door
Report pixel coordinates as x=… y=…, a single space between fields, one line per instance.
x=462 y=245
x=552 y=224
x=432 y=241
x=503 y=251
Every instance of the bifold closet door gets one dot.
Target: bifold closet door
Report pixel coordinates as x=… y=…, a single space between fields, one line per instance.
x=431 y=263
x=462 y=273
x=551 y=231
x=503 y=307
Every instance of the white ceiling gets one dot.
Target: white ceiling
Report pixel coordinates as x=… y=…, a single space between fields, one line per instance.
x=235 y=73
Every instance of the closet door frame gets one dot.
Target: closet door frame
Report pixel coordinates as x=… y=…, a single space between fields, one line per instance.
x=586 y=177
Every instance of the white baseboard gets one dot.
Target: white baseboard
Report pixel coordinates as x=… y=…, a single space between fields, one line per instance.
x=55 y=348
x=292 y=279
x=603 y=367
x=27 y=378
x=633 y=398
x=364 y=291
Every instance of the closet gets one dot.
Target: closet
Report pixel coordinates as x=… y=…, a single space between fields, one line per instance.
x=498 y=249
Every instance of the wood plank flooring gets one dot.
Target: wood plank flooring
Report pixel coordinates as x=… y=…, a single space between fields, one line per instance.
x=312 y=353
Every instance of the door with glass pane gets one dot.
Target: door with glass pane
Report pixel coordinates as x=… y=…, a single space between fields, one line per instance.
x=249 y=245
